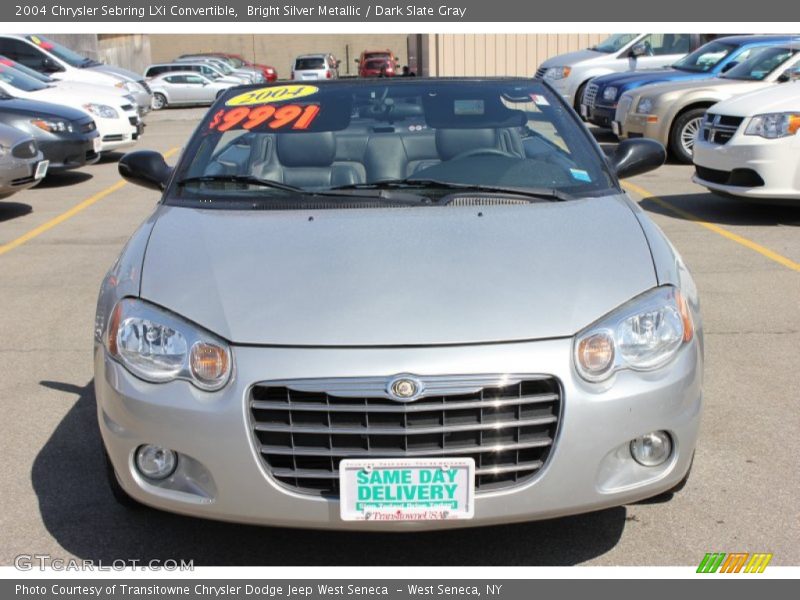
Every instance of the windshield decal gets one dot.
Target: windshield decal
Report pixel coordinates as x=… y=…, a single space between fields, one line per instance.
x=40 y=42
x=269 y=115
x=272 y=94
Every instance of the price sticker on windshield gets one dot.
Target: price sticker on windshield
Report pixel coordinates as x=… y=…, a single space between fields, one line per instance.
x=269 y=116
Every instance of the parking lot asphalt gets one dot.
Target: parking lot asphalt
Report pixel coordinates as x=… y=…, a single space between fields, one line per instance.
x=57 y=241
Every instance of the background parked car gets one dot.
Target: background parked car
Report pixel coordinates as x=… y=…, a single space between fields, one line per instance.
x=315 y=66
x=182 y=88
x=254 y=75
x=749 y=145
x=569 y=73
x=672 y=113
x=377 y=63
x=209 y=71
x=66 y=136
x=51 y=58
x=599 y=102
x=117 y=120
x=237 y=61
x=22 y=164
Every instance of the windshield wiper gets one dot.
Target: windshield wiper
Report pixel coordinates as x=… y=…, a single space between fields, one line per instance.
x=543 y=193
x=243 y=180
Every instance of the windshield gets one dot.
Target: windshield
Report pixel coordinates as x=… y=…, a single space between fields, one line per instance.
x=236 y=62
x=615 y=42
x=383 y=55
x=20 y=80
x=705 y=58
x=761 y=64
x=422 y=141
x=27 y=70
x=307 y=64
x=68 y=56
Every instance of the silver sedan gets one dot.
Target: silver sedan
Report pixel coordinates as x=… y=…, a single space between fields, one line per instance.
x=182 y=88
x=380 y=304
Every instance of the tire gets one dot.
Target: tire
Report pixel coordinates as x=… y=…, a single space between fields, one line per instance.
x=120 y=495
x=682 y=132
x=159 y=101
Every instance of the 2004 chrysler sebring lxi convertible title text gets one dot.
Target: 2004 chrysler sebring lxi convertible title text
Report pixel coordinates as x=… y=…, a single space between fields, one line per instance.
x=396 y=304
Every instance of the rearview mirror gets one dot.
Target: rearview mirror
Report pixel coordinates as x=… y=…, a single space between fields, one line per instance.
x=145 y=168
x=637 y=156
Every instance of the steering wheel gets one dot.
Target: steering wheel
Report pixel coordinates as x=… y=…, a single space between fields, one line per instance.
x=483 y=152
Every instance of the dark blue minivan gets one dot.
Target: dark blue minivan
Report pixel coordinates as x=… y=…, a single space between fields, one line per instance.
x=599 y=102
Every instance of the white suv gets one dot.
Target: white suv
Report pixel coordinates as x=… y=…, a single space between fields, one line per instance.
x=315 y=66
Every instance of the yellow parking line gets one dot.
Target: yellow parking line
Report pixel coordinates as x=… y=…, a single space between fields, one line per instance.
x=770 y=254
x=47 y=226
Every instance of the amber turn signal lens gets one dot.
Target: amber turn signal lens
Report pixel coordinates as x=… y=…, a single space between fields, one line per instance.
x=596 y=353
x=113 y=329
x=209 y=362
x=686 y=317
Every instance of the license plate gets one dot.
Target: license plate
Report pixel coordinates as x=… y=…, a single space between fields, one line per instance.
x=97 y=143
x=41 y=169
x=584 y=111
x=616 y=128
x=423 y=489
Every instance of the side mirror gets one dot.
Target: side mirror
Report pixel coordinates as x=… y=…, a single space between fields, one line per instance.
x=637 y=156
x=729 y=66
x=791 y=74
x=145 y=168
x=50 y=66
x=637 y=50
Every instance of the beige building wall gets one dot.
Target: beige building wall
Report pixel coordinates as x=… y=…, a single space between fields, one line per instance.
x=279 y=50
x=460 y=54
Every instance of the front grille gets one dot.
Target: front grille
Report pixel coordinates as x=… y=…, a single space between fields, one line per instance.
x=26 y=149
x=590 y=95
x=540 y=72
x=133 y=121
x=126 y=107
x=304 y=428
x=719 y=129
x=23 y=180
x=117 y=137
x=143 y=83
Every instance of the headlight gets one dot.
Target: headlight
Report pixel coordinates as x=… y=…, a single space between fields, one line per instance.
x=774 y=125
x=158 y=346
x=53 y=125
x=557 y=73
x=101 y=110
x=610 y=94
x=131 y=86
x=645 y=106
x=642 y=335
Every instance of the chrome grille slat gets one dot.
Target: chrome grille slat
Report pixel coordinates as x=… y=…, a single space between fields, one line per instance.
x=590 y=95
x=315 y=474
x=373 y=430
x=345 y=453
x=419 y=406
x=719 y=129
x=304 y=428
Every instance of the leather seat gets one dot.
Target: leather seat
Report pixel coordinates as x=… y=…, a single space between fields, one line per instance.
x=308 y=160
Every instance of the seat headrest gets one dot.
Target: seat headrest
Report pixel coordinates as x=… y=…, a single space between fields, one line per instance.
x=451 y=142
x=306 y=149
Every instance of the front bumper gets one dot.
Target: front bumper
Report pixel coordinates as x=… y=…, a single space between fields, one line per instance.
x=220 y=476
x=17 y=174
x=774 y=162
x=117 y=133
x=635 y=125
x=70 y=151
x=602 y=116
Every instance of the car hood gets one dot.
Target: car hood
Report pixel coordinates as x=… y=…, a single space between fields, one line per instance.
x=628 y=81
x=777 y=98
x=573 y=58
x=397 y=276
x=37 y=108
x=712 y=86
x=118 y=72
x=76 y=99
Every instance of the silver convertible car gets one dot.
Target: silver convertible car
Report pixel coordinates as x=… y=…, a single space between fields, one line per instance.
x=396 y=304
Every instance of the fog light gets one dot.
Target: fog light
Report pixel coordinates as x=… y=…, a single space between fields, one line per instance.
x=652 y=449
x=155 y=462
